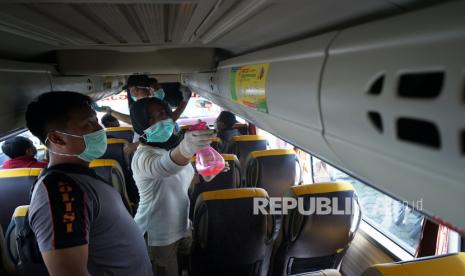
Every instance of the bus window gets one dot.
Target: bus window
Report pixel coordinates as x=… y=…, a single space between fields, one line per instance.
x=39 y=146
x=393 y=218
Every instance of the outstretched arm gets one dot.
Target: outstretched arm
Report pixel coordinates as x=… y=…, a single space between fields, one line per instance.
x=118 y=115
x=186 y=95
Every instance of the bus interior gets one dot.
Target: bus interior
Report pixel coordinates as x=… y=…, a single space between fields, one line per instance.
x=365 y=96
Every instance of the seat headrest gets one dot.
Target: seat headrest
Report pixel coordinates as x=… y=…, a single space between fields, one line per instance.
x=233 y=194
x=104 y=163
x=322 y=188
x=230 y=157
x=452 y=264
x=111 y=141
x=21 y=172
x=243 y=138
x=273 y=152
x=20 y=211
x=110 y=129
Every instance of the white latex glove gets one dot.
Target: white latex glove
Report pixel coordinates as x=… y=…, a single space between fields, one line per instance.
x=186 y=92
x=210 y=177
x=194 y=141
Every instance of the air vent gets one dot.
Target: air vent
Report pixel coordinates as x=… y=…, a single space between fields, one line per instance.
x=418 y=132
x=421 y=85
x=376 y=120
x=377 y=86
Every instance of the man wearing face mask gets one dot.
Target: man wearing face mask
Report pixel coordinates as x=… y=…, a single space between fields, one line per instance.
x=162 y=171
x=80 y=222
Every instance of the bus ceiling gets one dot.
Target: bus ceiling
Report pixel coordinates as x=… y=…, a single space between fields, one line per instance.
x=40 y=30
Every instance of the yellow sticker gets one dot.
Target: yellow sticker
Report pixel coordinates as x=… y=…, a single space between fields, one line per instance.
x=247 y=86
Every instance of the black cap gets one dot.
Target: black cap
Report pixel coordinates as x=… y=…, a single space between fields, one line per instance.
x=138 y=80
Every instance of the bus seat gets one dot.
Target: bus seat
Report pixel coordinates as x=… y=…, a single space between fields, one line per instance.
x=15 y=187
x=115 y=151
x=12 y=248
x=312 y=242
x=7 y=265
x=273 y=170
x=450 y=264
x=120 y=133
x=112 y=173
x=228 y=238
x=242 y=128
x=243 y=145
x=224 y=180
x=215 y=143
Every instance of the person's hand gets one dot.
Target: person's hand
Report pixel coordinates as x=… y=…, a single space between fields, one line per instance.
x=186 y=92
x=105 y=109
x=226 y=167
x=194 y=141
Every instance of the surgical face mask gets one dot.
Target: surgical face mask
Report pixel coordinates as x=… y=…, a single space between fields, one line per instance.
x=96 y=145
x=160 y=93
x=160 y=132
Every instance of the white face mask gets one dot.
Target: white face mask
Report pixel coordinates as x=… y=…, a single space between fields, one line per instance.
x=96 y=145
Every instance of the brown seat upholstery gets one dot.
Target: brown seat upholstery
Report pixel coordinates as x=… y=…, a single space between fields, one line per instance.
x=316 y=241
x=451 y=264
x=15 y=188
x=229 y=239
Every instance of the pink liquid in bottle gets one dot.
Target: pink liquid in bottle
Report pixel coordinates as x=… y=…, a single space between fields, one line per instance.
x=208 y=161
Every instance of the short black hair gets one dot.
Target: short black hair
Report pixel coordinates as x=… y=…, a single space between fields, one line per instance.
x=51 y=111
x=138 y=80
x=153 y=81
x=107 y=119
x=16 y=146
x=228 y=119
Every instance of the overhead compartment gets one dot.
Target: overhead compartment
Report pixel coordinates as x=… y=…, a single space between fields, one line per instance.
x=21 y=82
x=393 y=106
x=161 y=61
x=291 y=88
